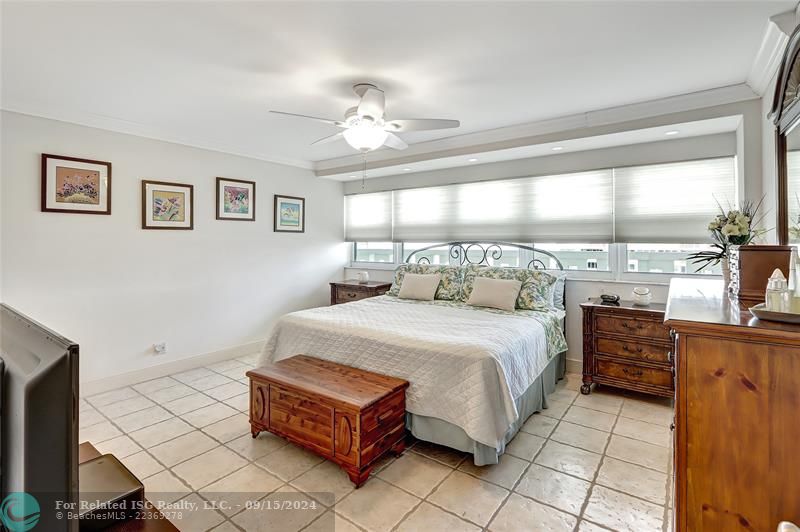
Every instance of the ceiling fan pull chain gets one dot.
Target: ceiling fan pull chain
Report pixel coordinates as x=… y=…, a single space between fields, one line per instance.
x=364 y=174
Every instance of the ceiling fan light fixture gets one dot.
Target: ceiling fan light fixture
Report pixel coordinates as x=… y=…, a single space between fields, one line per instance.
x=365 y=136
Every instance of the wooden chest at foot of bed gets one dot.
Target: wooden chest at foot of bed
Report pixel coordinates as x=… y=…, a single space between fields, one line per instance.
x=347 y=415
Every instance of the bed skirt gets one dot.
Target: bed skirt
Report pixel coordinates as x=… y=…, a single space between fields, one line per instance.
x=534 y=399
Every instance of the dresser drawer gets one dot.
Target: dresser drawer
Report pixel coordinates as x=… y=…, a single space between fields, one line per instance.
x=633 y=349
x=631 y=326
x=633 y=373
x=298 y=416
x=344 y=295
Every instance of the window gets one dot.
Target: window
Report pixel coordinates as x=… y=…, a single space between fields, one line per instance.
x=513 y=210
x=666 y=258
x=671 y=202
x=373 y=252
x=440 y=255
x=592 y=257
x=645 y=219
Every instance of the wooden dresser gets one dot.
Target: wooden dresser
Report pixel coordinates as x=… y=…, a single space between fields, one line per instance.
x=737 y=413
x=350 y=290
x=627 y=347
x=350 y=416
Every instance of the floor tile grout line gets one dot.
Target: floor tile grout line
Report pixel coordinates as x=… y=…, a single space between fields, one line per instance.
x=421 y=499
x=530 y=464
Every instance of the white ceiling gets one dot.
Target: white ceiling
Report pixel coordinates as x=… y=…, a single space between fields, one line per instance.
x=207 y=73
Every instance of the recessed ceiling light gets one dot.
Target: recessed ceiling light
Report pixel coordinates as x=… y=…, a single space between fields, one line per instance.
x=406 y=169
x=353 y=177
x=673 y=132
x=473 y=160
x=557 y=148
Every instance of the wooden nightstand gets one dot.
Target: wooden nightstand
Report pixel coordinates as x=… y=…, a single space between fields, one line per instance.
x=627 y=347
x=352 y=290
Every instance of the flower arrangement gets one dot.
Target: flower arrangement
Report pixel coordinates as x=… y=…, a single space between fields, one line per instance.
x=734 y=227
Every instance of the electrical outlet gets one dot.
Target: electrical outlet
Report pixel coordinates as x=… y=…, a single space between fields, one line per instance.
x=160 y=348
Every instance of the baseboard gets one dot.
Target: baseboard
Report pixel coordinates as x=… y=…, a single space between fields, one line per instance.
x=574 y=366
x=132 y=377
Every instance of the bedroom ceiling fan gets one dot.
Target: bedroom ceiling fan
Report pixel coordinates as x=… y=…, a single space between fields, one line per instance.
x=365 y=126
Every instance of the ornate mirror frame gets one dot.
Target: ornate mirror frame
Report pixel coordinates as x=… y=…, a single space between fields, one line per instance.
x=785 y=115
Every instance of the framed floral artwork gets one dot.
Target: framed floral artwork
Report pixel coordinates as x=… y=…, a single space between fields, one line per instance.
x=236 y=199
x=74 y=185
x=290 y=214
x=167 y=205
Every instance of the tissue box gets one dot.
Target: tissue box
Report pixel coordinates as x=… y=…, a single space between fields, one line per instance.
x=751 y=266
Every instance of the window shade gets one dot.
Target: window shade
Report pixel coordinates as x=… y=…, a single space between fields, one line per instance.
x=368 y=217
x=563 y=208
x=662 y=203
x=671 y=203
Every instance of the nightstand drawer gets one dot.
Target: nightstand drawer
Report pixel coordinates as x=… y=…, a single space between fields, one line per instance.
x=633 y=373
x=633 y=349
x=344 y=295
x=631 y=327
x=348 y=291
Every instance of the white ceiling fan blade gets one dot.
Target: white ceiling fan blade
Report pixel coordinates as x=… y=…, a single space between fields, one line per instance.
x=372 y=103
x=326 y=140
x=395 y=142
x=420 y=124
x=318 y=119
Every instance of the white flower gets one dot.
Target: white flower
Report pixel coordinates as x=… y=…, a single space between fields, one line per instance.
x=743 y=221
x=731 y=230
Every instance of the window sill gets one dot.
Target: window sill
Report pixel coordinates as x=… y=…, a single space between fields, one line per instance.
x=383 y=266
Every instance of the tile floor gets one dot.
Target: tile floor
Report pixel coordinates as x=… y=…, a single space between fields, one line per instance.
x=588 y=463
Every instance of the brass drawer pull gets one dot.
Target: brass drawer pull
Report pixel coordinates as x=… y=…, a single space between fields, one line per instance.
x=632 y=373
x=351 y=294
x=638 y=350
x=626 y=325
x=669 y=356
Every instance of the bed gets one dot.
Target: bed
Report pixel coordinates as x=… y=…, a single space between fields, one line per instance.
x=476 y=374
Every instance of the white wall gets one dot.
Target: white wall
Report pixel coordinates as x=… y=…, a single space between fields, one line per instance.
x=117 y=289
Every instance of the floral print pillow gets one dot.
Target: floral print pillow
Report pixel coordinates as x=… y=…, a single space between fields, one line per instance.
x=449 y=287
x=537 y=286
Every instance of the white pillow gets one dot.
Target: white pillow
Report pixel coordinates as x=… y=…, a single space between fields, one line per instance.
x=419 y=286
x=495 y=293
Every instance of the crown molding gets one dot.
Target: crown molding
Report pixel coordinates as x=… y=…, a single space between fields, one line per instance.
x=552 y=130
x=770 y=52
x=118 y=125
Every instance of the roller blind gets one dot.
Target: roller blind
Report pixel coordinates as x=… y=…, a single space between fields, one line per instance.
x=563 y=208
x=671 y=203
x=368 y=217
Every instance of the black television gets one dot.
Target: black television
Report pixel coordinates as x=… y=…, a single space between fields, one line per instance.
x=38 y=425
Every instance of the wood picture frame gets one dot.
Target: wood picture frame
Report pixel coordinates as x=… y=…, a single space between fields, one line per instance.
x=231 y=195
x=287 y=219
x=165 y=205
x=77 y=186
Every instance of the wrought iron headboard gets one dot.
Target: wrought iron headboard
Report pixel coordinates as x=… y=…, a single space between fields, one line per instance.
x=460 y=251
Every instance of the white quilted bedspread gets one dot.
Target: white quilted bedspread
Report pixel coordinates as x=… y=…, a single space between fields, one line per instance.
x=464 y=365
